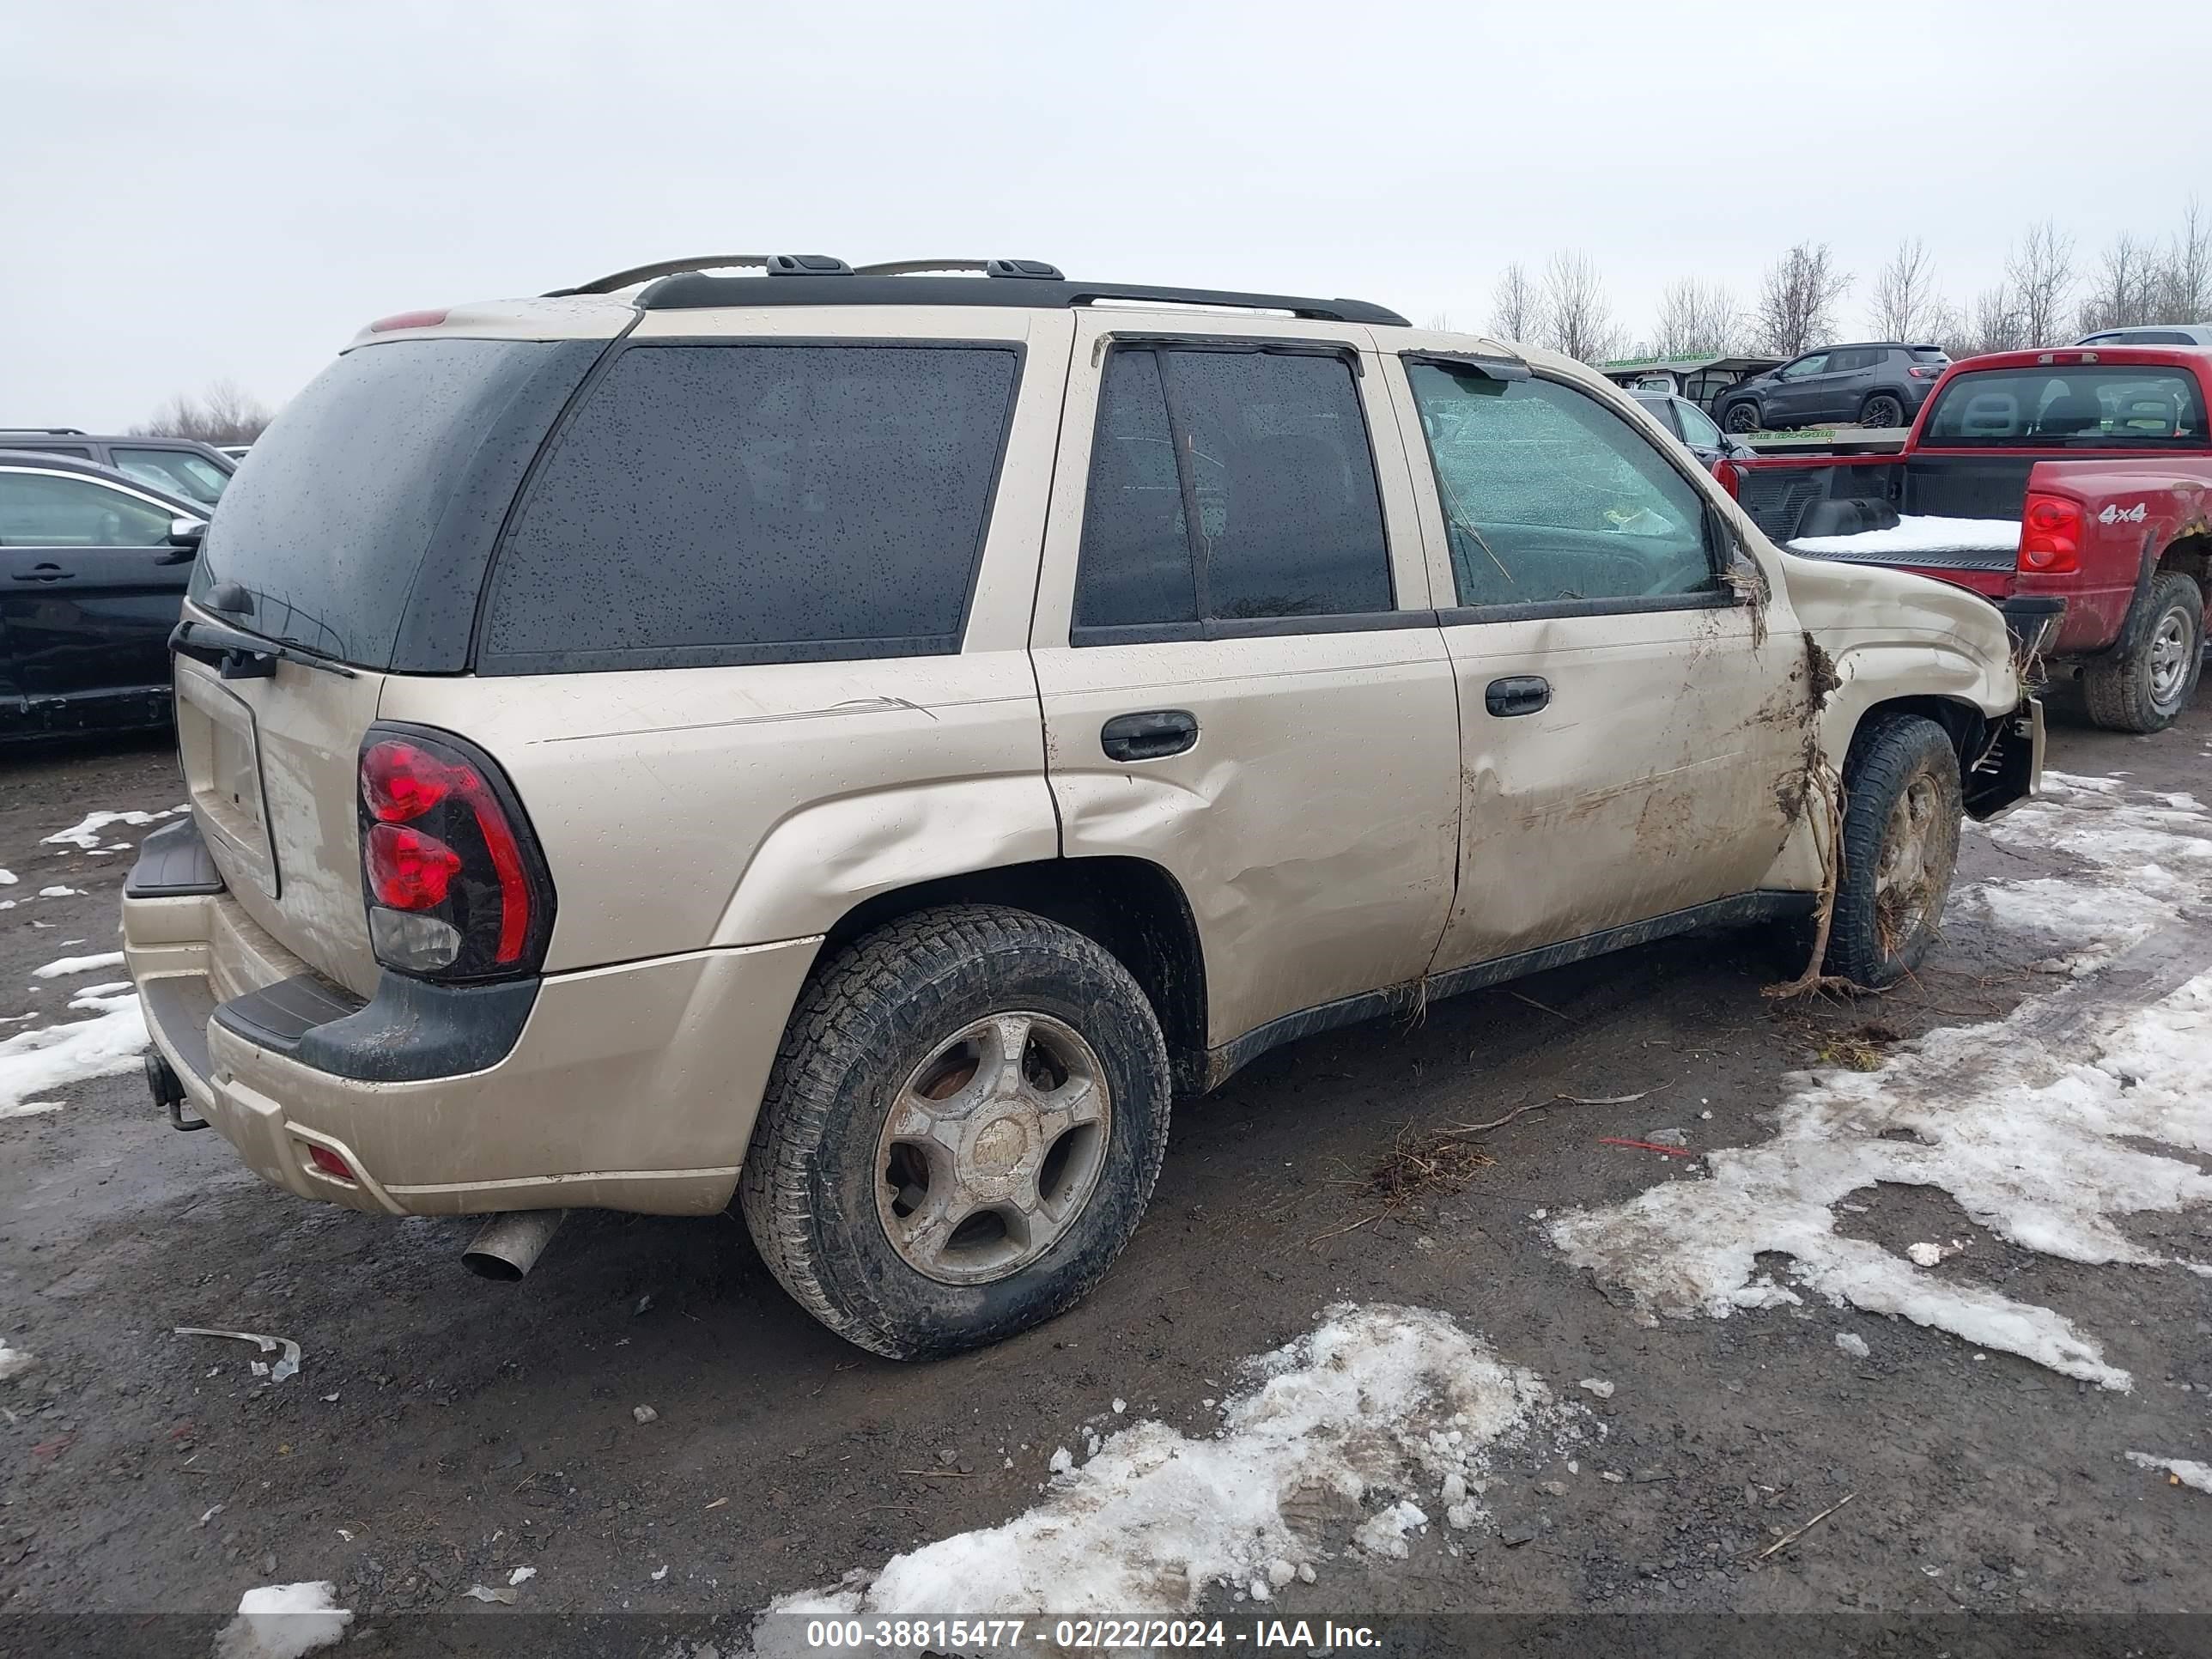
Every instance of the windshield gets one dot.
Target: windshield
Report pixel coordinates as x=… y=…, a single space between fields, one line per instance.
x=381 y=454
x=2068 y=404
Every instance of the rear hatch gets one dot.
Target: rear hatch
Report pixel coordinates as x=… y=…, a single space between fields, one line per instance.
x=353 y=549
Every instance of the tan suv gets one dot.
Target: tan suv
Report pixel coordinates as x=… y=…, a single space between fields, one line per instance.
x=863 y=741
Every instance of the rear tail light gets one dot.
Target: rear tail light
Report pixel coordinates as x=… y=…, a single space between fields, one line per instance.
x=1730 y=477
x=329 y=1163
x=1921 y=373
x=455 y=886
x=2051 y=535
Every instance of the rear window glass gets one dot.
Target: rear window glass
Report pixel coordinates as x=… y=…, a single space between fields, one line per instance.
x=2068 y=404
x=327 y=530
x=745 y=503
x=1930 y=354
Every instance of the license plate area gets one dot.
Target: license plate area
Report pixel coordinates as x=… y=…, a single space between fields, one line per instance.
x=220 y=748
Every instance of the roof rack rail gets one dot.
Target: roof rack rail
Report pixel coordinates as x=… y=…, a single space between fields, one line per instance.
x=687 y=288
x=1039 y=267
x=622 y=279
x=42 y=431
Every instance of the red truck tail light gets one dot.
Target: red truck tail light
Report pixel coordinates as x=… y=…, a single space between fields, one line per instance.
x=2051 y=535
x=1730 y=477
x=455 y=886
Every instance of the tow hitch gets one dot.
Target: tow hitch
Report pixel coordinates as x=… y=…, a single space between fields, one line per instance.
x=169 y=1093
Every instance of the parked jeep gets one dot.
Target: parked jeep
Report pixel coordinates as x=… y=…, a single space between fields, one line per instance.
x=864 y=742
x=1881 y=384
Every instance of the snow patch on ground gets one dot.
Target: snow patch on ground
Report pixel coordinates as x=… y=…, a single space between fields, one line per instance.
x=2196 y=1476
x=2025 y=1126
x=13 y=1362
x=78 y=965
x=85 y=834
x=1374 y=1412
x=1922 y=533
x=283 y=1621
x=7 y=878
x=50 y=1057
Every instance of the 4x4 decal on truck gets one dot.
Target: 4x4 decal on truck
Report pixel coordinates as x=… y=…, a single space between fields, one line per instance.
x=2117 y=514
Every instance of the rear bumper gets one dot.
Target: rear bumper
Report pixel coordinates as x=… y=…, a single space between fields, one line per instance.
x=629 y=1088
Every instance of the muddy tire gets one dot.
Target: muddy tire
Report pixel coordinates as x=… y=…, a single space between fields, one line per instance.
x=961 y=1130
x=2150 y=679
x=1902 y=811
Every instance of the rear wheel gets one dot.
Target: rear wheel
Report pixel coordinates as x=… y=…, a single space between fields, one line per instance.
x=1882 y=411
x=2142 y=687
x=1742 y=418
x=1902 y=811
x=961 y=1131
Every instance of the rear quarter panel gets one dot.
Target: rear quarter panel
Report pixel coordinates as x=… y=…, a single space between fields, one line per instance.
x=2135 y=508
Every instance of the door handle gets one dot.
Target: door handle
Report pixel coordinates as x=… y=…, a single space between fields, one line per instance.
x=1523 y=694
x=1153 y=735
x=45 y=573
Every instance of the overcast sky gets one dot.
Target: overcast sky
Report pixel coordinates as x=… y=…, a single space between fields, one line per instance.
x=233 y=189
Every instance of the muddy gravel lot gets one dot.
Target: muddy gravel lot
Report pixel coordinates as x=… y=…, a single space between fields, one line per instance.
x=1960 y=1348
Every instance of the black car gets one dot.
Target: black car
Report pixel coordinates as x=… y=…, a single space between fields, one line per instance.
x=1882 y=384
x=196 y=472
x=93 y=566
x=1693 y=426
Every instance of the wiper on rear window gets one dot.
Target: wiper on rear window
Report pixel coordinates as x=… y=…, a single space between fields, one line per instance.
x=240 y=655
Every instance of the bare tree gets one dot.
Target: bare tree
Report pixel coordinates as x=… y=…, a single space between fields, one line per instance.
x=2040 y=273
x=2126 y=290
x=1993 y=323
x=1697 y=318
x=1440 y=321
x=1577 y=319
x=225 y=414
x=1905 y=302
x=1517 y=308
x=2184 y=283
x=1797 y=299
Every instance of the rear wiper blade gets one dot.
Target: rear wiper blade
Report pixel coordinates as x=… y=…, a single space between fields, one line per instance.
x=240 y=655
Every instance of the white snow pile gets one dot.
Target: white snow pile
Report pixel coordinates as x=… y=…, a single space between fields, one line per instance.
x=78 y=964
x=7 y=878
x=283 y=1621
x=2026 y=1121
x=49 y=1057
x=85 y=834
x=1387 y=1411
x=13 y=1362
x=2197 y=1477
x=1922 y=533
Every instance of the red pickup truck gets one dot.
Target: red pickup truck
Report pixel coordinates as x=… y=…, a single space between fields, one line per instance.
x=2071 y=487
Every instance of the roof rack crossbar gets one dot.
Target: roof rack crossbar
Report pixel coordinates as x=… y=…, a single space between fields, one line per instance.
x=689 y=288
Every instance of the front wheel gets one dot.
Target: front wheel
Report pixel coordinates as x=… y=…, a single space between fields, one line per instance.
x=2142 y=687
x=960 y=1133
x=1882 y=411
x=1742 y=418
x=1902 y=809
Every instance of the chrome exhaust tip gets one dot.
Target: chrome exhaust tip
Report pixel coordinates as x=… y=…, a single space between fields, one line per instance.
x=509 y=1245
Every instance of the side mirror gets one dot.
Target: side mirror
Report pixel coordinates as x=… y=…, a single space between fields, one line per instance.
x=183 y=541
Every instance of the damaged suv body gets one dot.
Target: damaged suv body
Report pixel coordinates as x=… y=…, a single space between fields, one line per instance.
x=863 y=743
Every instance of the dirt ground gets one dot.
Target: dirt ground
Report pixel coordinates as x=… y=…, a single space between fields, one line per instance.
x=444 y=1430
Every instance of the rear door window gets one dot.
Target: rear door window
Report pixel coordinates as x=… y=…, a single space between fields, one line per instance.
x=713 y=503
x=1551 y=498
x=1229 y=486
x=179 y=472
